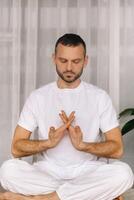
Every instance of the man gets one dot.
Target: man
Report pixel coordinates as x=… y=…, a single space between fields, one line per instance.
x=71 y=116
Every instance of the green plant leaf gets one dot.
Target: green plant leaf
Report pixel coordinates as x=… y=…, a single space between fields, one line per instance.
x=126 y=112
x=128 y=127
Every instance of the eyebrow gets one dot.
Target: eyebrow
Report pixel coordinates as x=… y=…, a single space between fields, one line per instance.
x=72 y=60
x=62 y=58
x=77 y=59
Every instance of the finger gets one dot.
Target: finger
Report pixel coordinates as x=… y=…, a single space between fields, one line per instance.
x=62 y=118
x=71 y=130
x=70 y=121
x=64 y=115
x=71 y=115
x=77 y=129
x=51 y=131
x=66 y=120
x=62 y=128
x=66 y=125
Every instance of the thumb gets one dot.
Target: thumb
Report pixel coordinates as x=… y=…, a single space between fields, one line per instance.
x=77 y=129
x=52 y=130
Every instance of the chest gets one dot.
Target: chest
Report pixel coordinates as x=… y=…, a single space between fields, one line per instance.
x=85 y=107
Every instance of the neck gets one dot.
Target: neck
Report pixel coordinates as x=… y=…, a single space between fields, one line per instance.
x=62 y=84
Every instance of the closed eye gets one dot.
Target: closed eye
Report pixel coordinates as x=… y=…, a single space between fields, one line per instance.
x=76 y=61
x=63 y=60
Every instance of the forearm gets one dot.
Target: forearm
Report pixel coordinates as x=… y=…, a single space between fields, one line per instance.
x=108 y=149
x=26 y=147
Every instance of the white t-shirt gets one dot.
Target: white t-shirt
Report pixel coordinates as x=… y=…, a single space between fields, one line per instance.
x=93 y=112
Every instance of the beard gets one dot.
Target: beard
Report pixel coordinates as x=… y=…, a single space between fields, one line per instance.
x=69 y=76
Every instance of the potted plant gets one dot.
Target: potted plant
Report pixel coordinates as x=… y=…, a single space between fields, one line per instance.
x=129 y=125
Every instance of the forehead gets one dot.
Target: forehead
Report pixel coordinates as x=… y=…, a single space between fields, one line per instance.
x=70 y=51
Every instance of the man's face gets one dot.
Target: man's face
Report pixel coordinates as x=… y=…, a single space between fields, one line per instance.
x=69 y=61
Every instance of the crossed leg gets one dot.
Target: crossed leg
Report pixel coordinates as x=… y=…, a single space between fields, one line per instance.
x=51 y=196
x=25 y=182
x=96 y=185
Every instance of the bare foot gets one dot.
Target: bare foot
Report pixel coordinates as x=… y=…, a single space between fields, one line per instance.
x=119 y=198
x=15 y=196
x=50 y=196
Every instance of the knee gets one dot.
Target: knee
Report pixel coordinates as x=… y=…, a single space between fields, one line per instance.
x=124 y=175
x=8 y=170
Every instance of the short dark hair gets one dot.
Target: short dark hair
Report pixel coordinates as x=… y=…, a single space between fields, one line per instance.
x=71 y=39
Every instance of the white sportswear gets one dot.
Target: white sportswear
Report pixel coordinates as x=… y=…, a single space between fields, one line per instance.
x=73 y=174
x=93 y=112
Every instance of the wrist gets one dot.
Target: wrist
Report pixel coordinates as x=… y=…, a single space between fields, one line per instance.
x=45 y=144
x=83 y=146
x=49 y=144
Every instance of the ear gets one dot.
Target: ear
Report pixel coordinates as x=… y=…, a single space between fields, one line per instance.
x=53 y=57
x=86 y=61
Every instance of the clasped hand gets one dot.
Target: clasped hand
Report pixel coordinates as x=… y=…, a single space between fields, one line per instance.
x=75 y=133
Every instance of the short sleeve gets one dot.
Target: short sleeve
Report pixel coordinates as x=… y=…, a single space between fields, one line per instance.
x=27 y=118
x=107 y=113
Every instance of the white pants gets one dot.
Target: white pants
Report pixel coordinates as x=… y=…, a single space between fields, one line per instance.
x=96 y=181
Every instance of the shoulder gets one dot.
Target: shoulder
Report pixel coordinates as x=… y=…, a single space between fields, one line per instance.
x=93 y=90
x=39 y=95
x=42 y=91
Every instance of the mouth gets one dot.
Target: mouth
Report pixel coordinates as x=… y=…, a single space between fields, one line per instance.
x=69 y=75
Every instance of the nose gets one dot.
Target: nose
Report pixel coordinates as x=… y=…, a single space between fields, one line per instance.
x=69 y=66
